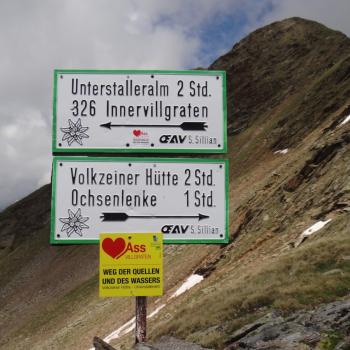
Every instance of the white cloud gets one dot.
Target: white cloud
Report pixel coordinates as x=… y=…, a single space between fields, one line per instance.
x=45 y=179
x=37 y=36
x=9 y=131
x=332 y=13
x=24 y=154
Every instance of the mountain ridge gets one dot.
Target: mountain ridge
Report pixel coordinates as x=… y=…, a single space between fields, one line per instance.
x=255 y=67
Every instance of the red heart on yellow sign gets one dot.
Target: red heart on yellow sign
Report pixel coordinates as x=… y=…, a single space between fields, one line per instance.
x=115 y=248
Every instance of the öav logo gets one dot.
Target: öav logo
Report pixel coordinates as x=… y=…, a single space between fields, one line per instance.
x=172 y=139
x=114 y=248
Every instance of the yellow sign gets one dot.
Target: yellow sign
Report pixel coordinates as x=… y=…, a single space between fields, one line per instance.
x=131 y=264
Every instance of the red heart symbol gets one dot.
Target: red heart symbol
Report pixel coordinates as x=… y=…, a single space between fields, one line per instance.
x=115 y=248
x=137 y=132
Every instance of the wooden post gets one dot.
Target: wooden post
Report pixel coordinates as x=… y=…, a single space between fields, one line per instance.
x=141 y=316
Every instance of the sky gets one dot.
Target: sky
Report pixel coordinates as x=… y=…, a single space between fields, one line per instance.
x=38 y=36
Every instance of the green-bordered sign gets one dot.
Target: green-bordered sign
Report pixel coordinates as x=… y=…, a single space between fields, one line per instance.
x=185 y=199
x=139 y=111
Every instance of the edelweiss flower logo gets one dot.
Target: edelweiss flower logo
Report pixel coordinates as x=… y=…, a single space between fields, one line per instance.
x=75 y=132
x=74 y=223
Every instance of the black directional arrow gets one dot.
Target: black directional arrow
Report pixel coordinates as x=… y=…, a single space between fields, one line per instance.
x=125 y=216
x=187 y=126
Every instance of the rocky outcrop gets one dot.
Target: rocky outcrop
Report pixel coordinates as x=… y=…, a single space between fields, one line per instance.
x=171 y=343
x=327 y=327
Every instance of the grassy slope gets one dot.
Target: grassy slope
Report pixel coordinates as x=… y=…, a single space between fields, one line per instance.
x=276 y=197
x=261 y=270
x=51 y=295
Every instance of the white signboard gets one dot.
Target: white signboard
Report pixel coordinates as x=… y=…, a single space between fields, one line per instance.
x=185 y=199
x=139 y=111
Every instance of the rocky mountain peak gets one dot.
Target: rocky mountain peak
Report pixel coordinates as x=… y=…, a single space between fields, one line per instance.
x=275 y=63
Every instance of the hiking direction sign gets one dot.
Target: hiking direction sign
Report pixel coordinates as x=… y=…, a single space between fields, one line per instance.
x=185 y=199
x=98 y=111
x=131 y=264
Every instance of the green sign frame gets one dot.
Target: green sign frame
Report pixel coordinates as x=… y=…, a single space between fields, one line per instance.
x=106 y=151
x=57 y=159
